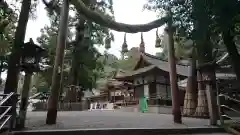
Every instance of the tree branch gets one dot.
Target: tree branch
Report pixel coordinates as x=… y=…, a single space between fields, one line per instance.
x=52 y=6
x=108 y=22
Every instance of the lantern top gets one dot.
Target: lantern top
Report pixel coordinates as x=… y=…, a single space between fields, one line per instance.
x=32 y=49
x=30 y=56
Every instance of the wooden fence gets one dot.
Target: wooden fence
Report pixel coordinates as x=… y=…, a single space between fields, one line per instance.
x=42 y=106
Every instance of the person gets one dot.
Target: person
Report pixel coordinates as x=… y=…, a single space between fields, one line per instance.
x=98 y=105
x=143 y=104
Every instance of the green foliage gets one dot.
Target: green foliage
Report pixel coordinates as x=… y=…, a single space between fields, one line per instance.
x=8 y=19
x=89 y=67
x=181 y=9
x=40 y=83
x=110 y=63
x=129 y=62
x=86 y=59
x=187 y=14
x=183 y=19
x=48 y=40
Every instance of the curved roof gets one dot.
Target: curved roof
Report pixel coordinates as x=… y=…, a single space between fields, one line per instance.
x=164 y=65
x=153 y=63
x=156 y=63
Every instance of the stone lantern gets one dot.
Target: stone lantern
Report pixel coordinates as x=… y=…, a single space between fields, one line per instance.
x=30 y=57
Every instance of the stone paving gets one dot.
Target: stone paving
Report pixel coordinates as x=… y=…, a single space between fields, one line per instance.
x=110 y=119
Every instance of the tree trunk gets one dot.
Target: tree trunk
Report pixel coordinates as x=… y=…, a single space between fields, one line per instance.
x=61 y=43
x=14 y=60
x=61 y=83
x=209 y=78
x=24 y=99
x=176 y=110
x=74 y=67
x=228 y=39
x=202 y=106
x=1 y=74
x=190 y=102
x=204 y=51
x=78 y=42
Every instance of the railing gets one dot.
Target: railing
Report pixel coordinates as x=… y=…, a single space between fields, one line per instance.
x=5 y=111
x=229 y=108
x=160 y=96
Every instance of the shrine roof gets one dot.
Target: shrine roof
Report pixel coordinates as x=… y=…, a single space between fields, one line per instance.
x=163 y=64
x=154 y=63
x=136 y=72
x=117 y=84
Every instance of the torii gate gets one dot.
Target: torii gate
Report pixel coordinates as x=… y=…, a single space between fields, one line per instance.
x=104 y=21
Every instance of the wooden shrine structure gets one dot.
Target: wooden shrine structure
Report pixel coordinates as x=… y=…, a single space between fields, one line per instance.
x=114 y=92
x=150 y=78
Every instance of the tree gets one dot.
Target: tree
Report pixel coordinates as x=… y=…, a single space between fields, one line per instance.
x=48 y=41
x=97 y=34
x=192 y=20
x=184 y=49
x=14 y=59
x=8 y=18
x=129 y=62
x=226 y=25
x=85 y=71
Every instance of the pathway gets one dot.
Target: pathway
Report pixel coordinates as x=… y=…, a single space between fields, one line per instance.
x=110 y=119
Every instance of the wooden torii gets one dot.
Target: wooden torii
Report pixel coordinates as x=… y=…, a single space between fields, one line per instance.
x=107 y=22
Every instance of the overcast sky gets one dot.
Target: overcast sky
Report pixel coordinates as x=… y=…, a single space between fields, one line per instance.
x=126 y=11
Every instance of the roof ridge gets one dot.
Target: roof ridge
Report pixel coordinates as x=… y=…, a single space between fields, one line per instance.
x=155 y=57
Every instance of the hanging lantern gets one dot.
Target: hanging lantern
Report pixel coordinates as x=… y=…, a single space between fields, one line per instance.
x=142 y=44
x=107 y=42
x=158 y=40
x=124 y=45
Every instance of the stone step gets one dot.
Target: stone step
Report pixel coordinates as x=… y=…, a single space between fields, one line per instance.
x=117 y=131
x=173 y=134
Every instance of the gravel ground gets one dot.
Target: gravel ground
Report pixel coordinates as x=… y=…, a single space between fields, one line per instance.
x=109 y=119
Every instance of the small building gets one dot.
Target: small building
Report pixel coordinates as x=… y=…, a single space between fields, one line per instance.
x=150 y=77
x=114 y=91
x=119 y=92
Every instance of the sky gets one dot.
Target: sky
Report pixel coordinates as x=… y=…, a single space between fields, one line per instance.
x=130 y=13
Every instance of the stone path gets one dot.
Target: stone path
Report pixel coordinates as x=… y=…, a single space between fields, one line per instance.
x=110 y=119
